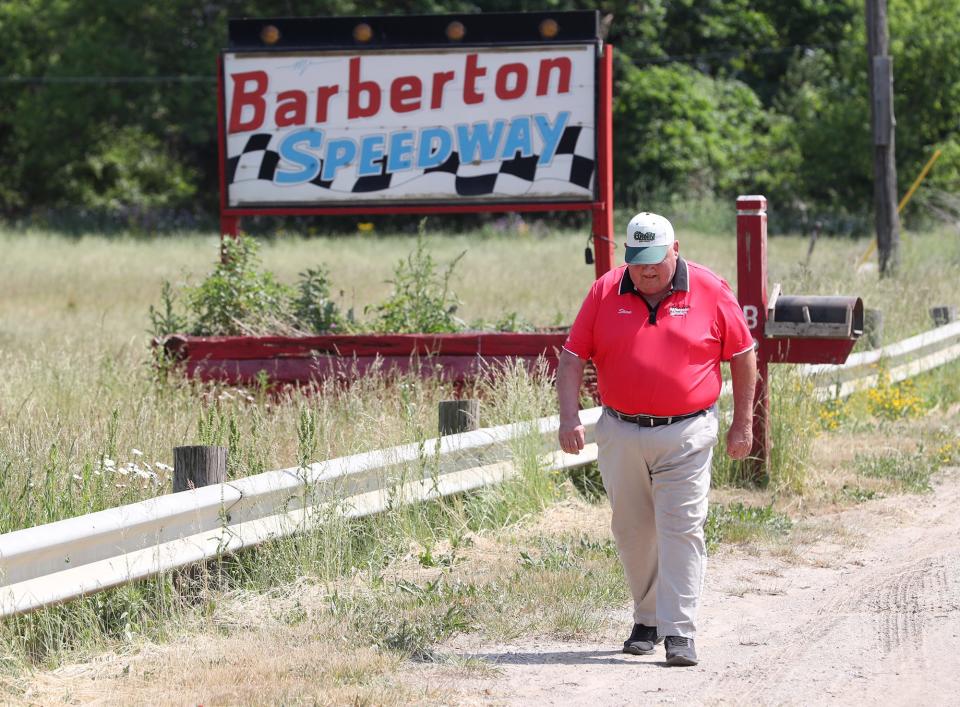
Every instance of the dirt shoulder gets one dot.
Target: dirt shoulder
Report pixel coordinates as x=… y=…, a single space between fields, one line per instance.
x=861 y=606
x=864 y=608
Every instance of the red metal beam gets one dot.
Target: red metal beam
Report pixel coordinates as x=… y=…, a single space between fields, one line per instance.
x=603 y=238
x=752 y=293
x=408 y=209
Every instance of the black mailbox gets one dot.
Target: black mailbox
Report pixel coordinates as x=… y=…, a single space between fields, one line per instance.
x=831 y=317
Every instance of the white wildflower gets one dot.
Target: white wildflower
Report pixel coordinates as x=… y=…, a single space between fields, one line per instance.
x=78 y=477
x=145 y=474
x=163 y=467
x=136 y=452
x=109 y=463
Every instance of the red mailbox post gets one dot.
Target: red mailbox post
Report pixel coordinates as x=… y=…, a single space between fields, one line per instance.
x=785 y=329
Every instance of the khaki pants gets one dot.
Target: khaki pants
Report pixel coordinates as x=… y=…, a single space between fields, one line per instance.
x=657 y=479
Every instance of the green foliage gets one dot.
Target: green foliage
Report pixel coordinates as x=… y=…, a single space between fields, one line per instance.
x=907 y=471
x=421 y=300
x=738 y=523
x=713 y=96
x=126 y=169
x=411 y=618
x=794 y=422
x=166 y=320
x=313 y=308
x=685 y=131
x=238 y=297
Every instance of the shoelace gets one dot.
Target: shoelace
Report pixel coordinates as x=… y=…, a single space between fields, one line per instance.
x=679 y=641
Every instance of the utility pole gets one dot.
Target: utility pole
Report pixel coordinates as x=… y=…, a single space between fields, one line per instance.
x=880 y=72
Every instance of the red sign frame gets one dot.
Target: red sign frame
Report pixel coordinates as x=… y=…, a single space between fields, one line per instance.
x=601 y=207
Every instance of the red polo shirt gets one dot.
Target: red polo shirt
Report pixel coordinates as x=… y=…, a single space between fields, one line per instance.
x=662 y=361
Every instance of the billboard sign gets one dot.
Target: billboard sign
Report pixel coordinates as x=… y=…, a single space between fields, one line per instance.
x=513 y=124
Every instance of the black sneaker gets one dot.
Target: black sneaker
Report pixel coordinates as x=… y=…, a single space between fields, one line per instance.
x=642 y=640
x=680 y=651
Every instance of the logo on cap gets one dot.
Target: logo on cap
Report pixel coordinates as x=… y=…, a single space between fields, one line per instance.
x=644 y=236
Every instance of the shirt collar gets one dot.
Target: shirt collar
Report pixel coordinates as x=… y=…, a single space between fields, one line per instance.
x=680 y=282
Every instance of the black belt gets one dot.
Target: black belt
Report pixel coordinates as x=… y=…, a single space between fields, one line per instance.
x=650 y=420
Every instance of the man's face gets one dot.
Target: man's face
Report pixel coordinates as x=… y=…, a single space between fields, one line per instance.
x=654 y=279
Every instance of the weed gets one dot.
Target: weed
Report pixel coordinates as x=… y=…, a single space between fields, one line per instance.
x=738 y=523
x=858 y=494
x=421 y=301
x=948 y=453
x=832 y=414
x=793 y=427
x=411 y=618
x=238 y=297
x=586 y=479
x=566 y=553
x=166 y=320
x=894 y=401
x=313 y=309
x=908 y=471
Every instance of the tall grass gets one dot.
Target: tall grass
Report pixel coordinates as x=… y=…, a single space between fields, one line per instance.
x=85 y=423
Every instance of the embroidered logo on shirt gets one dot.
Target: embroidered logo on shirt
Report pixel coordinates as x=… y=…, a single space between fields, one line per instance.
x=624 y=311
x=679 y=311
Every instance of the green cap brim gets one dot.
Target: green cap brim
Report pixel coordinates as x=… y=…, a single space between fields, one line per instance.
x=650 y=255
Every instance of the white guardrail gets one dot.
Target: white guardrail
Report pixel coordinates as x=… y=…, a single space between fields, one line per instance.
x=56 y=562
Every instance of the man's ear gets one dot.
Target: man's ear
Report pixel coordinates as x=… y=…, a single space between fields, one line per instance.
x=676 y=247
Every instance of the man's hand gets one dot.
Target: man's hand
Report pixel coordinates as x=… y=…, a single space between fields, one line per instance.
x=739 y=440
x=572 y=436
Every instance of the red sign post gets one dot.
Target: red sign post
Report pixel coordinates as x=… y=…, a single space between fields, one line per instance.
x=785 y=329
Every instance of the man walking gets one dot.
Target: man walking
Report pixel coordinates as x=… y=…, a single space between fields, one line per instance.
x=657 y=329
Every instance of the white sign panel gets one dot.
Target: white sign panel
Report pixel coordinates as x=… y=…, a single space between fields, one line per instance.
x=513 y=125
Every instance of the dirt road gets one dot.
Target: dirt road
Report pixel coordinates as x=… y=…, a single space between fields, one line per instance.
x=862 y=607
x=866 y=613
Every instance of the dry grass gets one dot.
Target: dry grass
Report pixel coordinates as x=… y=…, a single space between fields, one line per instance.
x=551 y=575
x=78 y=390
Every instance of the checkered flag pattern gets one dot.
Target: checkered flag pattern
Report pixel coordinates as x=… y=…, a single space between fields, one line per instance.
x=519 y=176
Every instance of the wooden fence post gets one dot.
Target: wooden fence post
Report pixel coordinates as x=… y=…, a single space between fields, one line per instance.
x=459 y=416
x=944 y=314
x=193 y=467
x=873 y=327
x=196 y=466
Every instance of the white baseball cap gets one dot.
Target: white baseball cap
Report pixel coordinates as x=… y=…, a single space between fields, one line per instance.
x=648 y=238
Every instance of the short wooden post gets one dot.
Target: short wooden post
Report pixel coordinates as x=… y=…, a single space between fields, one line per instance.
x=193 y=467
x=197 y=466
x=459 y=416
x=944 y=314
x=873 y=327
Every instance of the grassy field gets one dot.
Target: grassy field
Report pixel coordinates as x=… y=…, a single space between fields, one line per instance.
x=84 y=424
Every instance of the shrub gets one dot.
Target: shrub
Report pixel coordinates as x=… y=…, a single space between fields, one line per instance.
x=313 y=308
x=421 y=301
x=686 y=132
x=238 y=297
x=129 y=168
x=908 y=471
x=894 y=401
